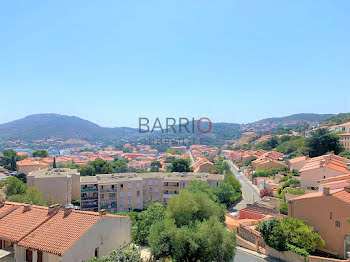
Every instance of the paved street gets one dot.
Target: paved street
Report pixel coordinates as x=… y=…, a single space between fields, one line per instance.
x=245 y=257
x=249 y=192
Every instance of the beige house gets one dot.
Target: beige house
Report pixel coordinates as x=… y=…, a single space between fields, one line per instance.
x=323 y=167
x=328 y=212
x=129 y=191
x=62 y=185
x=297 y=163
x=345 y=140
x=40 y=234
x=341 y=128
x=26 y=166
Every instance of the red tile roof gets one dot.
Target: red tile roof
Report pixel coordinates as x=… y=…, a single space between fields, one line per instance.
x=60 y=232
x=17 y=224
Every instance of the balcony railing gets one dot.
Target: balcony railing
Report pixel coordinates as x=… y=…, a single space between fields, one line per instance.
x=89 y=189
x=89 y=206
x=89 y=198
x=108 y=190
x=109 y=207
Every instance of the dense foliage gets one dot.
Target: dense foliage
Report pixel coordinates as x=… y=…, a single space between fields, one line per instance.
x=192 y=230
x=143 y=222
x=9 y=159
x=181 y=165
x=40 y=153
x=280 y=234
x=100 y=166
x=322 y=142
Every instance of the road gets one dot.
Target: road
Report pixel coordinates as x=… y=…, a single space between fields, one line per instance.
x=249 y=192
x=245 y=257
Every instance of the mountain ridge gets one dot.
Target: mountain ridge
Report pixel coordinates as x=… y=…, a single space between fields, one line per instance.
x=51 y=125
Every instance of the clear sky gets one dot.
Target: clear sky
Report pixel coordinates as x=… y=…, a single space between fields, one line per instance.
x=112 y=62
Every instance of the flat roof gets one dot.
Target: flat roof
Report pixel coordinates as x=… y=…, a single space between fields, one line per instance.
x=120 y=177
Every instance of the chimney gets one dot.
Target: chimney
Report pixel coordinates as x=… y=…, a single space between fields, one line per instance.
x=53 y=208
x=326 y=191
x=103 y=212
x=347 y=189
x=67 y=211
x=26 y=208
x=348 y=165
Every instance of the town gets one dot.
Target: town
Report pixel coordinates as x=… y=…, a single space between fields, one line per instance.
x=281 y=196
x=175 y=131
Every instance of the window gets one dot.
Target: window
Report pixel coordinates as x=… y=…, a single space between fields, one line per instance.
x=121 y=209
x=144 y=182
x=150 y=182
x=129 y=202
x=121 y=194
x=112 y=195
x=137 y=185
x=324 y=177
x=40 y=256
x=337 y=223
x=156 y=197
x=121 y=186
x=112 y=186
x=129 y=185
x=137 y=192
x=29 y=255
x=129 y=193
x=121 y=202
x=150 y=198
x=156 y=190
x=137 y=200
x=96 y=252
x=156 y=182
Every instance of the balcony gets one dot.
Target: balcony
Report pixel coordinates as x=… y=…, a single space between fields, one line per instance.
x=108 y=190
x=89 y=198
x=89 y=206
x=109 y=207
x=89 y=189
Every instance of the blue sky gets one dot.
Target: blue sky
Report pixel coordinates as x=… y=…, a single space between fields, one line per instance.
x=112 y=62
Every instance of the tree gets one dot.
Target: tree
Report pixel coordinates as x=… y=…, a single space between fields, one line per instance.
x=87 y=170
x=186 y=208
x=322 y=142
x=143 y=222
x=22 y=177
x=34 y=196
x=192 y=230
x=225 y=194
x=273 y=234
x=200 y=187
x=266 y=192
x=40 y=153
x=155 y=165
x=128 y=254
x=217 y=244
x=301 y=235
x=13 y=163
x=181 y=165
x=9 y=159
x=54 y=163
x=232 y=181
x=14 y=186
x=288 y=233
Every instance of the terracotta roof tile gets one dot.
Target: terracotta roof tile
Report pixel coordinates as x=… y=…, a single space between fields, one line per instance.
x=58 y=234
x=18 y=224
